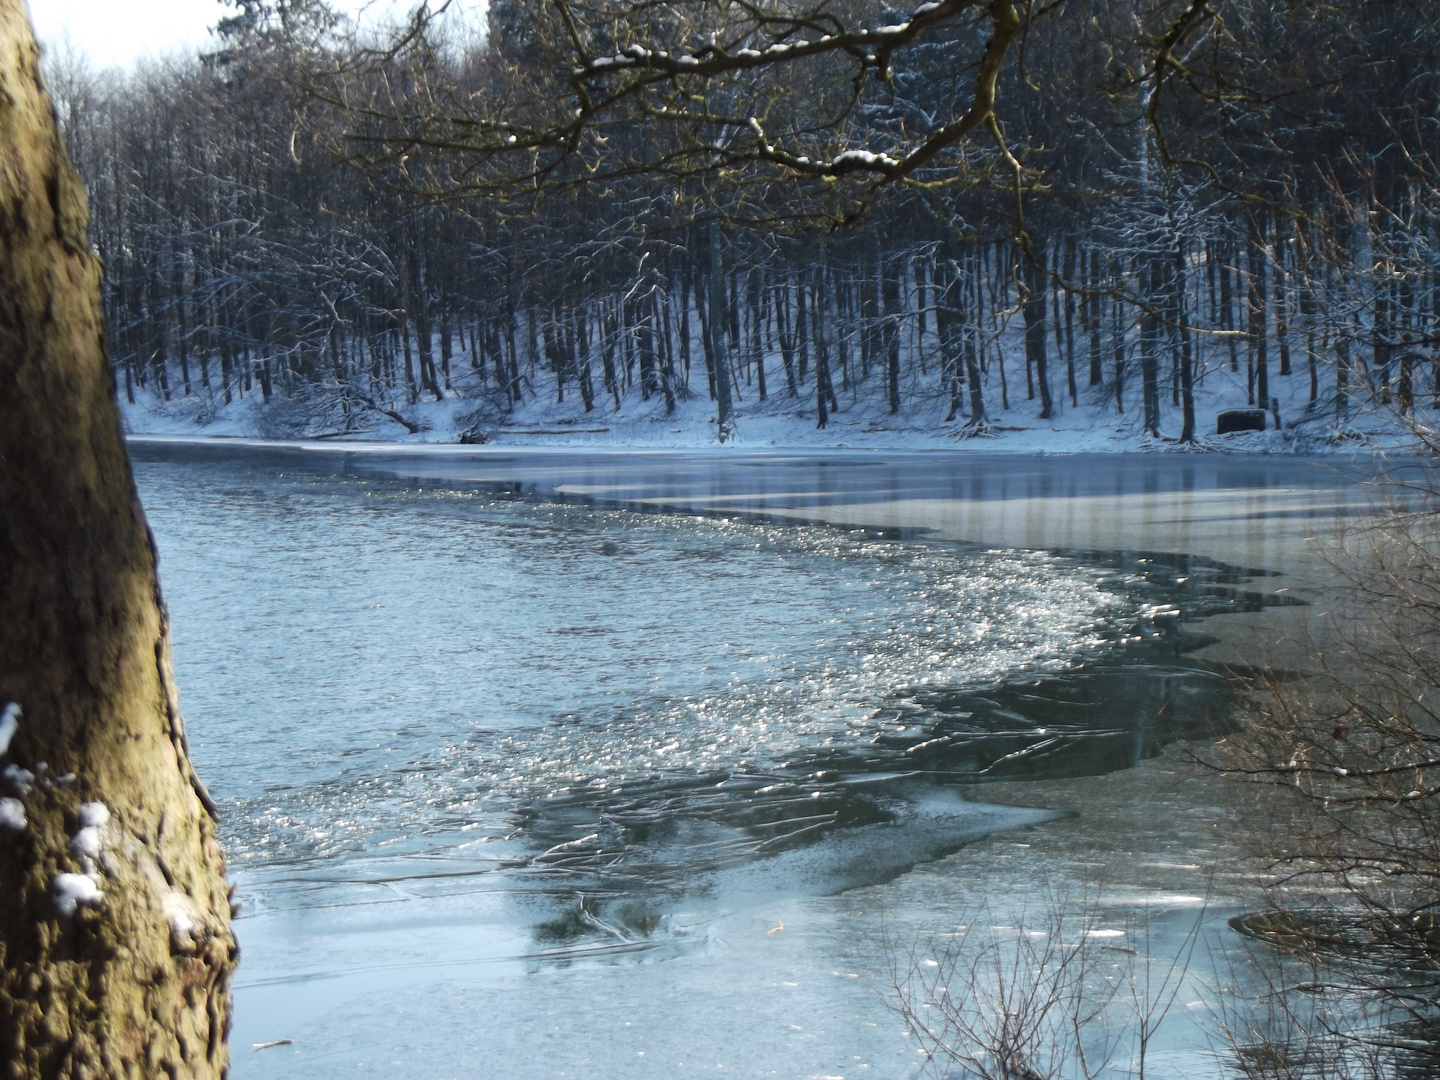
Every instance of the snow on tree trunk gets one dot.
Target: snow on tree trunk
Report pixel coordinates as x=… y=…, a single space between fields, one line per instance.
x=115 y=945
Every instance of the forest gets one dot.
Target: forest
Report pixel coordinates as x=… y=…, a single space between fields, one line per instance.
x=347 y=228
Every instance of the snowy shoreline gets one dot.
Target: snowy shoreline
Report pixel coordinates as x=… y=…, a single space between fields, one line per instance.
x=540 y=425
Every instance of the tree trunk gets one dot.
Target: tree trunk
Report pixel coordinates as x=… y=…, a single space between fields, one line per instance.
x=757 y=336
x=667 y=350
x=1227 y=309
x=1095 y=306
x=115 y=944
x=948 y=323
x=1342 y=375
x=1069 y=289
x=1117 y=314
x=447 y=349
x=890 y=330
x=610 y=327
x=1259 y=335
x=1187 y=369
x=582 y=362
x=645 y=347
x=1033 y=310
x=1149 y=344
x=719 y=348
x=782 y=332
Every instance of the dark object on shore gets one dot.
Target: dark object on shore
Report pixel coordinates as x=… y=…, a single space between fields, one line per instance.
x=1232 y=420
x=475 y=436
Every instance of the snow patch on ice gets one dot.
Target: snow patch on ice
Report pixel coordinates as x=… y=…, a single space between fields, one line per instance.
x=74 y=891
x=9 y=724
x=12 y=814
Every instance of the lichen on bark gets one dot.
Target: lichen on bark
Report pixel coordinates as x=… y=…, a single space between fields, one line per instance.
x=135 y=983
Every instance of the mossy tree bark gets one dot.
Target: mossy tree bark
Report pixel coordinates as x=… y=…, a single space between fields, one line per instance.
x=115 y=943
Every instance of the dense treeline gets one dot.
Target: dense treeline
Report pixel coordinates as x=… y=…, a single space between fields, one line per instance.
x=1271 y=213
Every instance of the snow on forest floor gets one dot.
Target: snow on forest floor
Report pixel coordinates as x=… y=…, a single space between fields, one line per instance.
x=862 y=422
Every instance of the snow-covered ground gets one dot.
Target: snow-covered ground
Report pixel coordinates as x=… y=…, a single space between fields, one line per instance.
x=863 y=421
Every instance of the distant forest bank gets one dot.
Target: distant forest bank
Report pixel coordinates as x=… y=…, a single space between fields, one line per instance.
x=249 y=290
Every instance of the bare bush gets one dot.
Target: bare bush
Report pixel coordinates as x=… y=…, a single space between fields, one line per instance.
x=1033 y=1000
x=1351 y=842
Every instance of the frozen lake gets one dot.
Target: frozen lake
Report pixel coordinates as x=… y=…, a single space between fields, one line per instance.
x=640 y=765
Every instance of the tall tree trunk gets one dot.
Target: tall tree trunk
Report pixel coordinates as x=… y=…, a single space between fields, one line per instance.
x=1342 y=375
x=719 y=351
x=802 y=330
x=948 y=323
x=1149 y=345
x=782 y=332
x=1381 y=336
x=1282 y=297
x=447 y=349
x=1094 y=308
x=1308 y=309
x=412 y=389
x=707 y=343
x=869 y=324
x=1227 y=307
x=559 y=367
x=1405 y=384
x=645 y=346
x=757 y=335
x=1117 y=314
x=580 y=337
x=610 y=328
x=1033 y=308
x=117 y=963
x=1069 y=289
x=824 y=392
x=890 y=299
x=685 y=325
x=658 y=301
x=420 y=313
x=1187 y=367
x=225 y=373
x=1259 y=336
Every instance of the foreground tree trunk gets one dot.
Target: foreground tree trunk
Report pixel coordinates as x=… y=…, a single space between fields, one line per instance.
x=115 y=942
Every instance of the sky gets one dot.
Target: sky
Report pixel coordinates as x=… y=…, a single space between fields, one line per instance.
x=118 y=32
